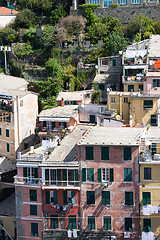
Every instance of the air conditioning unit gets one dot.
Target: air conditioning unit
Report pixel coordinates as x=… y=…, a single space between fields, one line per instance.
x=127 y=234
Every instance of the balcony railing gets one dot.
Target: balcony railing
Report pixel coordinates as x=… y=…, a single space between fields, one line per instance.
x=148 y=157
x=68 y=183
x=133 y=79
x=27 y=180
x=6 y=108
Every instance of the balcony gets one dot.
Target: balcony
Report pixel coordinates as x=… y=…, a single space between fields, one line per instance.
x=68 y=184
x=147 y=157
x=139 y=78
x=27 y=180
x=135 y=60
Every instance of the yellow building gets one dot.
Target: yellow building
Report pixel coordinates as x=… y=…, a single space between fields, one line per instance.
x=134 y=108
x=150 y=182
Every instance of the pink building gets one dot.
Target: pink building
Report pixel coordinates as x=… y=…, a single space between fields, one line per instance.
x=109 y=169
x=152 y=83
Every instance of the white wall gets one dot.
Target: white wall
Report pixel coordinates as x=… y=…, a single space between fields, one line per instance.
x=107 y=123
x=6 y=19
x=89 y=109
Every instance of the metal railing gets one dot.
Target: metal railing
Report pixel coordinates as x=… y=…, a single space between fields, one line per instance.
x=60 y=183
x=27 y=180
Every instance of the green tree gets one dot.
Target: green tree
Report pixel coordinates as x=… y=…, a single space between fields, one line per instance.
x=48 y=36
x=56 y=15
x=88 y=13
x=8 y=35
x=96 y=96
x=24 y=19
x=30 y=33
x=22 y=50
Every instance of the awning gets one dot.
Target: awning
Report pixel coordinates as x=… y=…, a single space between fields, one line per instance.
x=42 y=119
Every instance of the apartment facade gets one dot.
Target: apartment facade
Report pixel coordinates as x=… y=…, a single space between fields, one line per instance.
x=109 y=182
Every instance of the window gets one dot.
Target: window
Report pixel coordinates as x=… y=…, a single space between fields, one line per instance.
x=146 y=198
x=88 y=174
x=105 y=174
x=107 y=3
x=91 y=223
x=154 y=148
x=34 y=229
x=107 y=223
x=147 y=173
x=33 y=195
x=104 y=153
x=8 y=147
x=92 y=118
x=147 y=225
x=70 y=177
x=140 y=87
x=51 y=197
x=125 y=100
x=114 y=61
x=21 y=103
x=127 y=153
x=104 y=61
x=113 y=99
x=148 y=104
x=33 y=210
x=94 y=1
x=7 y=132
x=128 y=198
x=128 y=224
x=130 y=88
x=30 y=174
x=0 y=131
x=106 y=197
x=72 y=222
x=54 y=221
x=90 y=197
x=89 y=153
x=156 y=83
x=153 y=120
x=122 y=2
x=69 y=197
x=127 y=174
x=136 y=1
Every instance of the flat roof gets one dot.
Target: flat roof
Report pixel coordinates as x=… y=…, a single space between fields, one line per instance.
x=72 y=96
x=111 y=136
x=66 y=111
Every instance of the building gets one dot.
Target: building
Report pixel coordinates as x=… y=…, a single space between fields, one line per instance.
x=109 y=171
x=74 y=98
x=7 y=16
x=48 y=191
x=149 y=161
x=56 y=121
x=8 y=82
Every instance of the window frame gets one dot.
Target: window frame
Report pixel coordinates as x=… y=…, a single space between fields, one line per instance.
x=106 y=201
x=33 y=210
x=128 y=153
x=33 y=195
x=149 y=175
x=126 y=177
x=92 y=223
x=89 y=156
x=129 y=193
x=146 y=200
x=110 y=218
x=34 y=234
x=73 y=217
x=90 y=200
x=147 y=105
x=113 y=99
x=126 y=221
x=55 y=216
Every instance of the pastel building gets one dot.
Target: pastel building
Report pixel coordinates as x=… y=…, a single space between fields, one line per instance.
x=74 y=98
x=109 y=170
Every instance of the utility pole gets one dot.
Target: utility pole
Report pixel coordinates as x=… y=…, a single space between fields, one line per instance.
x=5 y=49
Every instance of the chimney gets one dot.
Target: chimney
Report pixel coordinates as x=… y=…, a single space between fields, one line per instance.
x=12 y=11
x=62 y=102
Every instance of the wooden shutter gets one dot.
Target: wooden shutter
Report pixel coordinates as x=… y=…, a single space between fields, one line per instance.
x=111 y=175
x=107 y=223
x=33 y=210
x=47 y=197
x=128 y=198
x=127 y=155
x=72 y=222
x=58 y=177
x=83 y=174
x=89 y=153
x=104 y=153
x=54 y=221
x=47 y=176
x=92 y=174
x=73 y=197
x=25 y=172
x=106 y=197
x=99 y=175
x=127 y=174
x=76 y=177
x=146 y=198
x=64 y=177
x=65 y=198
x=55 y=197
x=34 y=229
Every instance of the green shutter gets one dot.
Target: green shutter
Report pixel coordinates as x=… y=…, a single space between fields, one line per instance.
x=154 y=149
x=90 y=197
x=47 y=176
x=33 y=210
x=55 y=197
x=146 y=198
x=147 y=225
x=99 y=175
x=72 y=222
x=59 y=177
x=89 y=153
x=91 y=223
x=33 y=195
x=104 y=153
x=53 y=125
x=7 y=133
x=36 y=172
x=106 y=197
x=127 y=174
x=65 y=198
x=128 y=198
x=0 y=131
x=64 y=177
x=76 y=177
x=107 y=223
x=92 y=174
x=111 y=175
x=54 y=221
x=128 y=224
x=127 y=153
x=74 y=103
x=47 y=197
x=73 y=197
x=83 y=174
x=34 y=229
x=25 y=172
x=65 y=125
x=8 y=147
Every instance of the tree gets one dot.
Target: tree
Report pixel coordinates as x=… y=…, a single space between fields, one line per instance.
x=22 y=50
x=88 y=13
x=8 y=35
x=56 y=15
x=24 y=19
x=39 y=6
x=48 y=36
x=96 y=96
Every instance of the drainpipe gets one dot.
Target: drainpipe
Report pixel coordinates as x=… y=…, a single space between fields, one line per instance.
x=120 y=105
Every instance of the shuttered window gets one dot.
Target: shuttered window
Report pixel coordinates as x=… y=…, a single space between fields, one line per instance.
x=83 y=174
x=128 y=224
x=54 y=221
x=76 y=177
x=47 y=176
x=91 y=223
x=7 y=132
x=0 y=131
x=106 y=197
x=127 y=153
x=107 y=223
x=59 y=177
x=90 y=197
x=89 y=153
x=25 y=172
x=69 y=197
x=34 y=229
x=33 y=195
x=154 y=148
x=8 y=147
x=72 y=222
x=147 y=173
x=147 y=225
x=88 y=174
x=146 y=198
x=47 y=197
x=105 y=174
x=128 y=198
x=127 y=174
x=33 y=210
x=104 y=153
x=148 y=104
